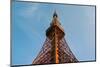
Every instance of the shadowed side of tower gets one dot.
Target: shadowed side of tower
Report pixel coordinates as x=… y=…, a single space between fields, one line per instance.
x=55 y=49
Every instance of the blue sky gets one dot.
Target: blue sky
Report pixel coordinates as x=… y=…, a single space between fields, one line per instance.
x=30 y=21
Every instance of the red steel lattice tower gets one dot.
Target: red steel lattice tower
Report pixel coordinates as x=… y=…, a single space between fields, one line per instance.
x=55 y=50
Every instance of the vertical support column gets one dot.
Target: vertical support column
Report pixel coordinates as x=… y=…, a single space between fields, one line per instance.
x=56 y=48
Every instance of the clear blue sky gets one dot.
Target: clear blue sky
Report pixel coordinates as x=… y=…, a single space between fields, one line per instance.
x=30 y=21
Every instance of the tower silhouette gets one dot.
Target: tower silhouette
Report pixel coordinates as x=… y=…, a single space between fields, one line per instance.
x=55 y=49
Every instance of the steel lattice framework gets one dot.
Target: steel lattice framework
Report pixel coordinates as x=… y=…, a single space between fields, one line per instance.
x=55 y=48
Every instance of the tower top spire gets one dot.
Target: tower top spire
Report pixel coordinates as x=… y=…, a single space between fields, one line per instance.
x=55 y=14
x=55 y=20
x=55 y=24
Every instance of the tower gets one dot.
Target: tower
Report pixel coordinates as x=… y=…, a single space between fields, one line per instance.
x=55 y=50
